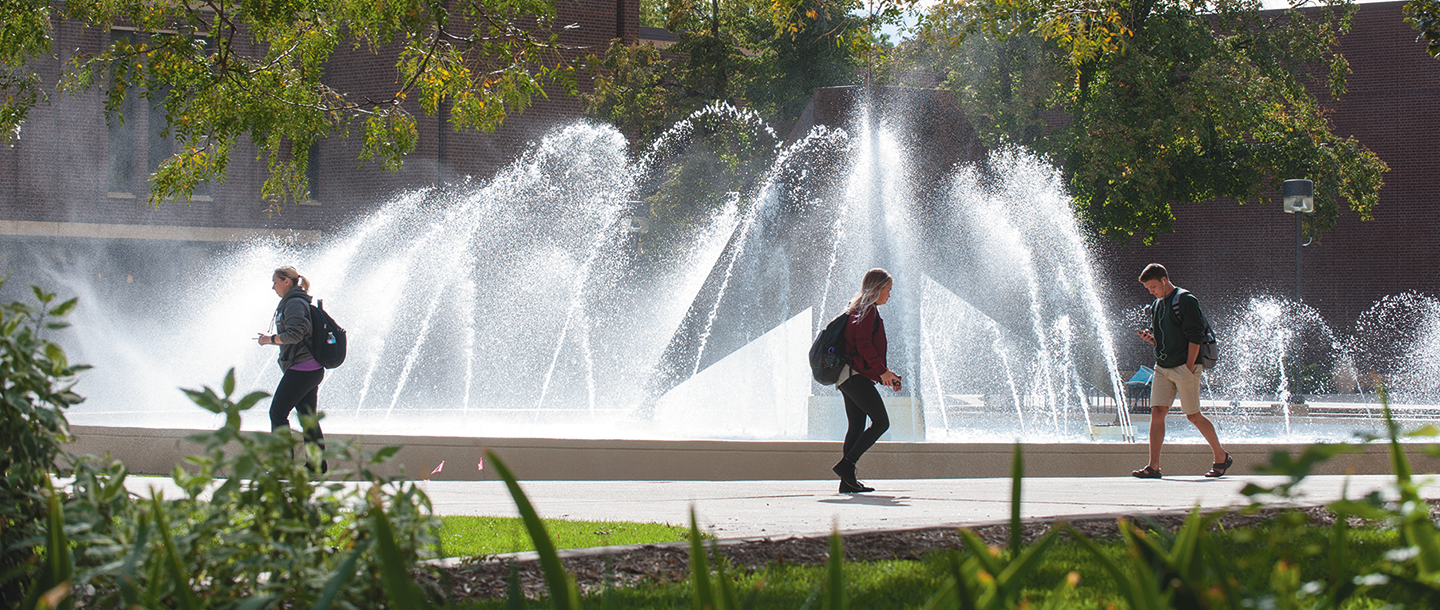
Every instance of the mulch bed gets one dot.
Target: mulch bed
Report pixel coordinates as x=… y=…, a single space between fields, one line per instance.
x=486 y=578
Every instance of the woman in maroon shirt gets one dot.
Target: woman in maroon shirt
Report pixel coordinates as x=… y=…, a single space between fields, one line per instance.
x=865 y=344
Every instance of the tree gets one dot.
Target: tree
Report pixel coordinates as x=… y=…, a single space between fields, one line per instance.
x=1165 y=101
x=822 y=49
x=1424 y=16
x=762 y=55
x=257 y=67
x=643 y=91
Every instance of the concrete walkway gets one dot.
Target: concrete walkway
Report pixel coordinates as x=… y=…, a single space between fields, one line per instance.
x=776 y=509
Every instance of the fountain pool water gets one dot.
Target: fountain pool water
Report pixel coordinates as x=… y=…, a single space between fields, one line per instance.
x=525 y=304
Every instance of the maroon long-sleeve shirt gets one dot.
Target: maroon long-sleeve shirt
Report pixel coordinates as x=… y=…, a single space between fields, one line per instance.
x=866 y=342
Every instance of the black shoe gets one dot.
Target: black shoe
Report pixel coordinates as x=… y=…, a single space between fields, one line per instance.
x=846 y=488
x=845 y=469
x=1146 y=473
x=1218 y=469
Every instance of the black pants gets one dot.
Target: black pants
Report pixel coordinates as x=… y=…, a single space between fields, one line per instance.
x=298 y=391
x=862 y=400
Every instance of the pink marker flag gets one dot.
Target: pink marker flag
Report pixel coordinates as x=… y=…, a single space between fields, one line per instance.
x=439 y=468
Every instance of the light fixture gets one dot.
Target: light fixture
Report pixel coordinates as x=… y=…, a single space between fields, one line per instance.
x=1299 y=196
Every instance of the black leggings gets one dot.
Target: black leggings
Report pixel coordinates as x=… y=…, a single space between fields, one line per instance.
x=861 y=400
x=300 y=391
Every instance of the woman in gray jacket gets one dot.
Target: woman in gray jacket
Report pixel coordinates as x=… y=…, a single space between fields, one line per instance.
x=299 y=388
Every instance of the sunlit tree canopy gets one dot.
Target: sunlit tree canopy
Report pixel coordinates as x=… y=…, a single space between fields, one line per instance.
x=1150 y=103
x=257 y=68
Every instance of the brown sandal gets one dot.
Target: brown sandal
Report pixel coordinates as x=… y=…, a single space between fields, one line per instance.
x=1146 y=473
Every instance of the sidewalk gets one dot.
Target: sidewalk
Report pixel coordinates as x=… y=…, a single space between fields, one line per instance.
x=747 y=509
x=777 y=509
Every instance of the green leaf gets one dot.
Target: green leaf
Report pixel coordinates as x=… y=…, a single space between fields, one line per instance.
x=55 y=354
x=59 y=566
x=205 y=399
x=1363 y=510
x=1014 y=577
x=1427 y=430
x=981 y=552
x=174 y=567
x=64 y=308
x=255 y=602
x=342 y=575
x=957 y=591
x=249 y=400
x=1296 y=469
x=702 y=594
x=1135 y=585
x=394 y=569
x=835 y=574
x=514 y=596
x=562 y=589
x=1017 y=474
x=129 y=590
x=386 y=453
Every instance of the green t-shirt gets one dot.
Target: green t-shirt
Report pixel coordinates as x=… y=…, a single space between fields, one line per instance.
x=1173 y=335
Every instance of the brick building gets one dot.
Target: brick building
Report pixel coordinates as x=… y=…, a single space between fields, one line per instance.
x=72 y=175
x=1226 y=252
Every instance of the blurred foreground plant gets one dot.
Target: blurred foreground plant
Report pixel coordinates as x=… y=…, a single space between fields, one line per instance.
x=254 y=528
x=35 y=389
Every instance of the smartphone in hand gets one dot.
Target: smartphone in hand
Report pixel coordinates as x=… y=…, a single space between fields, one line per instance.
x=896 y=383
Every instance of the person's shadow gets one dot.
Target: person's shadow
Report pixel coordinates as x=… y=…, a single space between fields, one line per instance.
x=869 y=499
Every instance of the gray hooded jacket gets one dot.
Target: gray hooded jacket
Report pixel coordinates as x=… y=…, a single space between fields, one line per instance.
x=292 y=328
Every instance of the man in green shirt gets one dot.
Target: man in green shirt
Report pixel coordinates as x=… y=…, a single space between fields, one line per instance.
x=1177 y=330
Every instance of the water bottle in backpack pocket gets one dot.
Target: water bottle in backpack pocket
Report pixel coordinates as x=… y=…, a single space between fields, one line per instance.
x=327 y=338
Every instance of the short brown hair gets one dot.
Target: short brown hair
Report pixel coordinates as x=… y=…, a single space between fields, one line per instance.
x=1153 y=271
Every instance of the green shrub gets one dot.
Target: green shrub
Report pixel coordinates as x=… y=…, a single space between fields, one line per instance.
x=35 y=388
x=255 y=527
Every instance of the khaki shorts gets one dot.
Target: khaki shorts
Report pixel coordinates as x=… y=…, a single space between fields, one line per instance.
x=1179 y=380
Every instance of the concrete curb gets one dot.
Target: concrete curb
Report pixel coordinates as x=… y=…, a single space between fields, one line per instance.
x=158 y=451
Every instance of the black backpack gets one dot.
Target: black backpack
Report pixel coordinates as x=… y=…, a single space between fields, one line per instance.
x=827 y=352
x=327 y=339
x=1210 y=349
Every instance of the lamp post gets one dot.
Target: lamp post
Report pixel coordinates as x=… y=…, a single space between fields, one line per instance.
x=637 y=224
x=1299 y=198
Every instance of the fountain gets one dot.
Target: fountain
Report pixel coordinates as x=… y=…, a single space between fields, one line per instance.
x=521 y=305
x=533 y=304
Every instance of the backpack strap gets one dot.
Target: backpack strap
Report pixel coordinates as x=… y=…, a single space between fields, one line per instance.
x=1175 y=309
x=1175 y=303
x=309 y=313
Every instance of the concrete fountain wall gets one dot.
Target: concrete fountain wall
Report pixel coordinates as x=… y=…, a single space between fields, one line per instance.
x=154 y=451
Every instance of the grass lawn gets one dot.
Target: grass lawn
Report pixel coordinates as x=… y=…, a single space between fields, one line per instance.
x=1247 y=558
x=472 y=536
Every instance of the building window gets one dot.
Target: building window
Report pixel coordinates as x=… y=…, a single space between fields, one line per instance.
x=162 y=145
x=139 y=115
x=120 y=152
x=312 y=175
